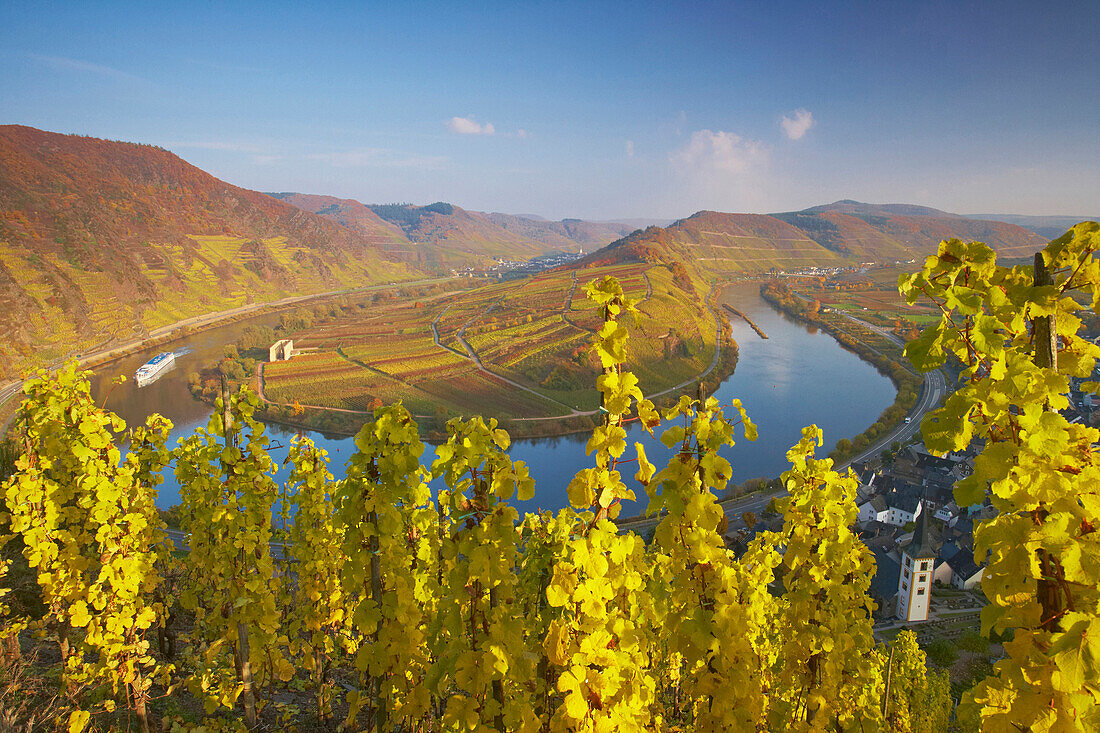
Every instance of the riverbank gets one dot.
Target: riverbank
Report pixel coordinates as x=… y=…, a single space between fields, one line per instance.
x=165 y=335
x=759 y=331
x=347 y=422
x=885 y=356
x=335 y=389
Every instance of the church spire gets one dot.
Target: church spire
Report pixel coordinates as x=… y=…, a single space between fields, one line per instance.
x=923 y=543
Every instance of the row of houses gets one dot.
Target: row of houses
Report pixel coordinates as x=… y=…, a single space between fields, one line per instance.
x=919 y=535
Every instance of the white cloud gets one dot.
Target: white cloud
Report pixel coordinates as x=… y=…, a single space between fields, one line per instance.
x=722 y=171
x=520 y=133
x=630 y=148
x=724 y=152
x=467 y=126
x=798 y=124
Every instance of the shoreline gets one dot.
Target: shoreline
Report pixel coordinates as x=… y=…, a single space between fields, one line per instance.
x=557 y=424
x=928 y=396
x=163 y=335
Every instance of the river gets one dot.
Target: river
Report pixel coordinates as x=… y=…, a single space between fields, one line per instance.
x=796 y=377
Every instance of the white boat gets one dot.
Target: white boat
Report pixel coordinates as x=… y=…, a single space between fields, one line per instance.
x=148 y=372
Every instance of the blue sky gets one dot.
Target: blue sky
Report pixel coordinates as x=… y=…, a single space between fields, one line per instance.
x=592 y=110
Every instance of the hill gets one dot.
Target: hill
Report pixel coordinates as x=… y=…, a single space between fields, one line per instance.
x=441 y=236
x=565 y=235
x=901 y=231
x=348 y=213
x=725 y=243
x=359 y=218
x=452 y=235
x=101 y=241
x=842 y=233
x=1049 y=227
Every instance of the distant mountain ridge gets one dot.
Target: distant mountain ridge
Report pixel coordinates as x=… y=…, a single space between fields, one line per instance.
x=1050 y=227
x=566 y=234
x=441 y=235
x=101 y=241
x=833 y=234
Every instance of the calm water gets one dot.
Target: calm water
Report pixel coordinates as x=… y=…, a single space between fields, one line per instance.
x=796 y=377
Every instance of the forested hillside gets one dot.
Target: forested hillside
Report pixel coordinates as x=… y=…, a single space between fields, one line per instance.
x=452 y=235
x=101 y=241
x=903 y=231
x=440 y=235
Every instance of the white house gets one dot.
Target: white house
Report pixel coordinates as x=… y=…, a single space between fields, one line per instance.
x=873 y=510
x=281 y=350
x=902 y=508
x=965 y=573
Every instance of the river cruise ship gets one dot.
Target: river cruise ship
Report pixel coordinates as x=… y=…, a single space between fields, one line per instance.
x=150 y=370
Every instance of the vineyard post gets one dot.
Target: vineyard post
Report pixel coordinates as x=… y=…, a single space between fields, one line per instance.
x=481 y=500
x=244 y=663
x=886 y=694
x=602 y=512
x=1045 y=336
x=378 y=709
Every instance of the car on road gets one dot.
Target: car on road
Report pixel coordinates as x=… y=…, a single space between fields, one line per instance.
x=908 y=420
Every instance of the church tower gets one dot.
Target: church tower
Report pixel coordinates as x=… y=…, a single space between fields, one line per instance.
x=915 y=582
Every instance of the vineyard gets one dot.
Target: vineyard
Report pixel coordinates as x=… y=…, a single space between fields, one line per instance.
x=337 y=381
x=379 y=603
x=466 y=353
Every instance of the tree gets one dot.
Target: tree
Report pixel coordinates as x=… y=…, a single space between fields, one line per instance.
x=381 y=507
x=719 y=614
x=598 y=644
x=318 y=610
x=484 y=668
x=228 y=493
x=916 y=700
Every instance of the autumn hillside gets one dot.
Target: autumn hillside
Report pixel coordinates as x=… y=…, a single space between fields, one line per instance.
x=101 y=241
x=903 y=231
x=841 y=233
x=567 y=234
x=721 y=243
x=441 y=236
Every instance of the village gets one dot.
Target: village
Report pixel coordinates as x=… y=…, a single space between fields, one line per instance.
x=503 y=269
x=926 y=574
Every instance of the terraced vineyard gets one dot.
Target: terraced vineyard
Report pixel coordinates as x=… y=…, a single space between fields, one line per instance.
x=330 y=380
x=515 y=350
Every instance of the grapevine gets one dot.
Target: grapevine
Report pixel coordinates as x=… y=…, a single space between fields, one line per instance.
x=1015 y=331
